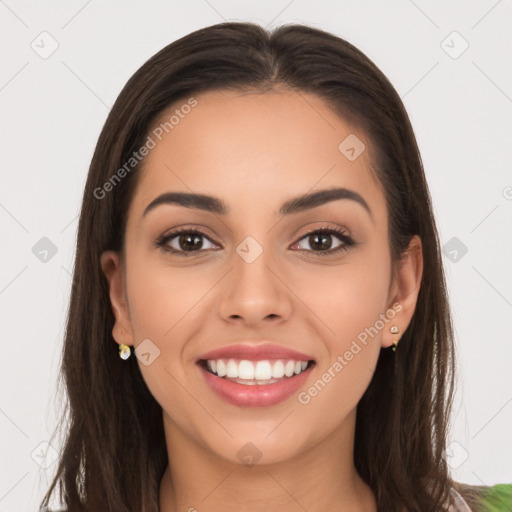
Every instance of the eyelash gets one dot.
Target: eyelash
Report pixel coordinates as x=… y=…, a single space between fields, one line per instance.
x=348 y=242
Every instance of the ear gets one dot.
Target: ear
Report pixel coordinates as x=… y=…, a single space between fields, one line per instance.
x=404 y=291
x=112 y=266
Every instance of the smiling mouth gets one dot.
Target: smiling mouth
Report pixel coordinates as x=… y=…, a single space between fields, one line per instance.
x=255 y=373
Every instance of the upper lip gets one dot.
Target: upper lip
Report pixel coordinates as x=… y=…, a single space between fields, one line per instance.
x=255 y=352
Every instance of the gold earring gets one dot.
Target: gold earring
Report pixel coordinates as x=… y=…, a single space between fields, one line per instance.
x=125 y=351
x=395 y=330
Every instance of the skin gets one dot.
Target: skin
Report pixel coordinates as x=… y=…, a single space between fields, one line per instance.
x=256 y=151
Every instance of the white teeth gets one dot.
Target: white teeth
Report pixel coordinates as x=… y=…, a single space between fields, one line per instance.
x=253 y=371
x=289 y=368
x=232 y=369
x=221 y=368
x=278 y=370
x=263 y=370
x=246 y=370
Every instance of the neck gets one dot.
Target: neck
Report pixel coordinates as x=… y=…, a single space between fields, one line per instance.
x=319 y=479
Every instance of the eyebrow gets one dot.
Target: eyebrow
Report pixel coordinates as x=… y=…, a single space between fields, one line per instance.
x=296 y=205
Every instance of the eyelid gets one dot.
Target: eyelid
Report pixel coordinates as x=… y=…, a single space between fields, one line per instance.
x=185 y=228
x=325 y=226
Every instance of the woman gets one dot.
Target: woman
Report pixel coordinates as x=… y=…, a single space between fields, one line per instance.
x=258 y=316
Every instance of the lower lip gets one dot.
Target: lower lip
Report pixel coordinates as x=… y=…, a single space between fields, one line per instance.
x=258 y=395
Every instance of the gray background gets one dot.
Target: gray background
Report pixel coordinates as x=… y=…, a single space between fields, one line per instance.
x=53 y=107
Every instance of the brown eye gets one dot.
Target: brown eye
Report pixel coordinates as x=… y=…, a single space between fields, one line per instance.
x=320 y=241
x=189 y=242
x=184 y=242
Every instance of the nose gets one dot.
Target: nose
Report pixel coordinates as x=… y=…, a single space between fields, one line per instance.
x=256 y=290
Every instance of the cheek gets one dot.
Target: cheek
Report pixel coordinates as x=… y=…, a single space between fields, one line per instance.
x=350 y=300
x=168 y=305
x=345 y=299
x=166 y=308
x=164 y=298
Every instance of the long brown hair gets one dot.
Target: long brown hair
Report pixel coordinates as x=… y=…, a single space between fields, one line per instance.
x=114 y=453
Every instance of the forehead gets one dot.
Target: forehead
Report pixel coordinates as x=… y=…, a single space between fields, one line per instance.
x=253 y=149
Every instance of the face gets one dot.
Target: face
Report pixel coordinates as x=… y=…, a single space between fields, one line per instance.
x=311 y=284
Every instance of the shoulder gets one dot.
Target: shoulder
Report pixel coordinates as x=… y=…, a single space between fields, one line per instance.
x=459 y=504
x=480 y=498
